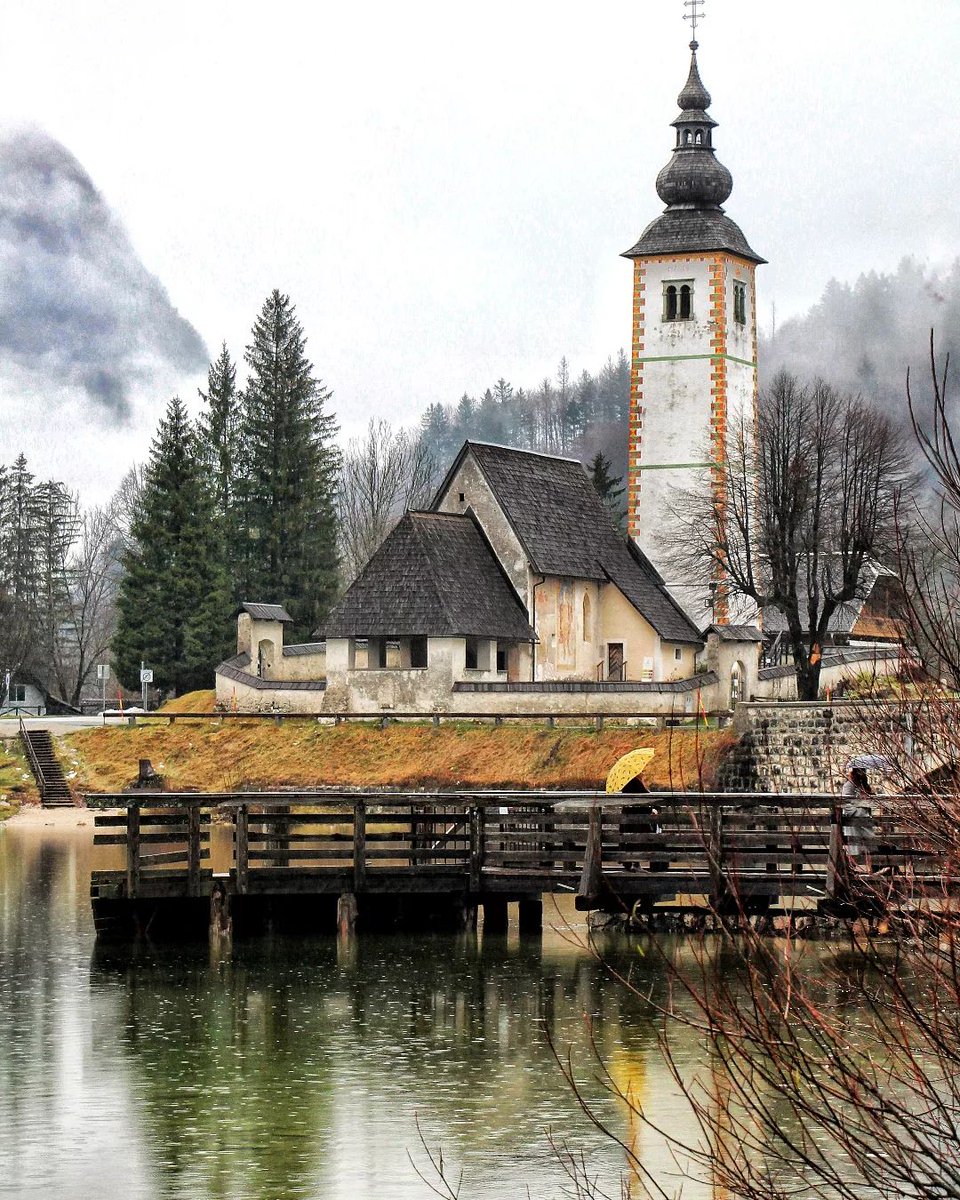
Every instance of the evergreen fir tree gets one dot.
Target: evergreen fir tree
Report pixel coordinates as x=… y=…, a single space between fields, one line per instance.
x=290 y=467
x=218 y=429
x=174 y=605
x=609 y=487
x=218 y=443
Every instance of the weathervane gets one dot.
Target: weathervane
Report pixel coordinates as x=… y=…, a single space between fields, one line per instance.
x=694 y=15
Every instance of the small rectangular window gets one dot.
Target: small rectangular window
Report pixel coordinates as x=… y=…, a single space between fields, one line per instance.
x=18 y=693
x=678 y=654
x=418 y=653
x=740 y=303
x=501 y=657
x=472 y=653
x=678 y=300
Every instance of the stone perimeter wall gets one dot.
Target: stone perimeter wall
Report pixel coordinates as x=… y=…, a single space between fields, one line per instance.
x=795 y=747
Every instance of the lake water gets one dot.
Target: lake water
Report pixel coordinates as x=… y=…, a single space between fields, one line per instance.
x=298 y=1068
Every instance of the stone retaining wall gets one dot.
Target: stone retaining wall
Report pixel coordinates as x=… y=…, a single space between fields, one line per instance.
x=795 y=747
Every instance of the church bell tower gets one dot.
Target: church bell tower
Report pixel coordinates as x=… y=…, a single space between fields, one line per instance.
x=694 y=353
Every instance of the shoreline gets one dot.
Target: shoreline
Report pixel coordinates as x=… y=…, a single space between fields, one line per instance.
x=33 y=816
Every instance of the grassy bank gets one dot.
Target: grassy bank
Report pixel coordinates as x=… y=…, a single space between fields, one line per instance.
x=213 y=757
x=17 y=785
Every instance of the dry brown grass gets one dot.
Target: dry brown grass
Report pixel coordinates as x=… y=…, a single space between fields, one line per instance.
x=214 y=756
x=192 y=702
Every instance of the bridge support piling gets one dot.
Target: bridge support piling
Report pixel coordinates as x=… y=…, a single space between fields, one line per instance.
x=495 y=915
x=531 y=916
x=346 y=916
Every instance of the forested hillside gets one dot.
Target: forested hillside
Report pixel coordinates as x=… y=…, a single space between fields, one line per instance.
x=564 y=415
x=862 y=337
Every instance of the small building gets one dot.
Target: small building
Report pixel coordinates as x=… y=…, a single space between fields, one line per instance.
x=873 y=620
x=24 y=697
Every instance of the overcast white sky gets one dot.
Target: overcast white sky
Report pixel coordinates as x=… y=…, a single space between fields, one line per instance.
x=444 y=191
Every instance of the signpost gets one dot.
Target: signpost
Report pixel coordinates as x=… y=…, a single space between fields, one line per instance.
x=103 y=673
x=146 y=678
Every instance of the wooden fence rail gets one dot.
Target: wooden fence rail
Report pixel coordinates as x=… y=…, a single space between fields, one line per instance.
x=588 y=717
x=728 y=848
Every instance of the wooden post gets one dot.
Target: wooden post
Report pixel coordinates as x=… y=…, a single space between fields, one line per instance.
x=193 y=849
x=599 y=722
x=241 y=847
x=531 y=916
x=551 y=722
x=836 y=887
x=346 y=915
x=719 y=886
x=436 y=720
x=591 y=877
x=359 y=846
x=495 y=915
x=133 y=850
x=476 y=849
x=279 y=834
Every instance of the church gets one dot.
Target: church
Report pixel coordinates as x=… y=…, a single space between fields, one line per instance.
x=514 y=591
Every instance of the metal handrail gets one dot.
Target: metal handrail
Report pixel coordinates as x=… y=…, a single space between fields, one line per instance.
x=34 y=761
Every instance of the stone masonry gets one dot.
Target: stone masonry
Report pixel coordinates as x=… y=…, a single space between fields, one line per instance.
x=795 y=747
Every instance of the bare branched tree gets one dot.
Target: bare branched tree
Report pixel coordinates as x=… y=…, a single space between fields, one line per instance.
x=930 y=562
x=384 y=472
x=802 y=501
x=834 y=1072
x=88 y=615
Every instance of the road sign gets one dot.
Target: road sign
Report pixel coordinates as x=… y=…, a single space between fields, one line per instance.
x=102 y=670
x=146 y=675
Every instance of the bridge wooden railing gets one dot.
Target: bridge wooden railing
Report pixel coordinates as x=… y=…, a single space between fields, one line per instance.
x=722 y=845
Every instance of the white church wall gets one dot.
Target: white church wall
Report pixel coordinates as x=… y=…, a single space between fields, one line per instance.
x=469 y=482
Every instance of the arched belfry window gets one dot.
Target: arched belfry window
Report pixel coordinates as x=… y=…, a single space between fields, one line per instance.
x=686 y=302
x=740 y=303
x=678 y=301
x=699 y=139
x=688 y=138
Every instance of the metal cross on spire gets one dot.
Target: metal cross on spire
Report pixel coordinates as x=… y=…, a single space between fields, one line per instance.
x=694 y=15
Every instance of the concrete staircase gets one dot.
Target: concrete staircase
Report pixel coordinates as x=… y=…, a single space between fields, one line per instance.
x=54 y=790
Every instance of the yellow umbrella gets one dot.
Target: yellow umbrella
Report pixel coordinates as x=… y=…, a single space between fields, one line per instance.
x=628 y=768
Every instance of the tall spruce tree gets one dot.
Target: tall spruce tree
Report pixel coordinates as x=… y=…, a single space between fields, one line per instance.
x=290 y=469
x=219 y=448
x=174 y=604
x=609 y=487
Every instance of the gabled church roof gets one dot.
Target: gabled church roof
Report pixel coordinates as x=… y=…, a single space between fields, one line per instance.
x=566 y=529
x=434 y=575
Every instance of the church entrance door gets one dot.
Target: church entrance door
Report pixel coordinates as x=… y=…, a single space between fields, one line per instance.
x=615 y=661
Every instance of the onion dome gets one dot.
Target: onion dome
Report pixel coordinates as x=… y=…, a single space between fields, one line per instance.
x=693 y=185
x=694 y=94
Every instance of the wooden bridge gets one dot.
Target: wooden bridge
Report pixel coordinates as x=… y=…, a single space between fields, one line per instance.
x=313 y=859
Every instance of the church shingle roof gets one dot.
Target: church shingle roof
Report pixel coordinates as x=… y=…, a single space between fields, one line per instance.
x=566 y=529
x=265 y=612
x=692 y=231
x=434 y=575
